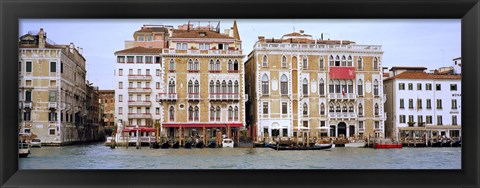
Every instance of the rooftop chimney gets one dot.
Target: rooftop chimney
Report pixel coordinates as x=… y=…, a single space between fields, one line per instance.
x=41 y=38
x=71 y=47
x=261 y=38
x=227 y=32
x=302 y=31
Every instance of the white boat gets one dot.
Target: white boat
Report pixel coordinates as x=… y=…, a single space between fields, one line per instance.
x=227 y=143
x=358 y=144
x=322 y=145
x=36 y=143
x=23 y=149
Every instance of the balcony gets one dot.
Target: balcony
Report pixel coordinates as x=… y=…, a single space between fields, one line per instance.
x=362 y=48
x=139 y=77
x=339 y=96
x=52 y=105
x=194 y=96
x=196 y=51
x=139 y=90
x=139 y=103
x=224 y=96
x=361 y=129
x=232 y=71
x=337 y=115
x=193 y=71
x=140 y=115
x=167 y=97
x=214 y=71
x=27 y=104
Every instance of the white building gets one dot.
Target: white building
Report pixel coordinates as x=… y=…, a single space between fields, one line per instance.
x=418 y=101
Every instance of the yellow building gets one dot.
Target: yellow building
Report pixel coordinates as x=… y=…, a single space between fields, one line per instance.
x=52 y=93
x=203 y=82
x=304 y=87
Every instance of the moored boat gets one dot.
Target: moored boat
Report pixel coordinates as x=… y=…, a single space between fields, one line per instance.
x=23 y=149
x=165 y=145
x=315 y=147
x=387 y=144
x=358 y=144
x=212 y=144
x=199 y=144
x=176 y=145
x=457 y=143
x=188 y=145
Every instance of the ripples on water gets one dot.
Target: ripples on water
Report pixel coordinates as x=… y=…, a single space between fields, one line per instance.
x=98 y=156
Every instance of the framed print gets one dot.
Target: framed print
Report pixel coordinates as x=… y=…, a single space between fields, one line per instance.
x=239 y=94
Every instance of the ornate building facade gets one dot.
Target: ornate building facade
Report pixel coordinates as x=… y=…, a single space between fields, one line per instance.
x=304 y=87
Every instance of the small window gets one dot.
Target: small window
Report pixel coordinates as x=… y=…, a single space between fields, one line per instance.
x=438 y=87
x=284 y=107
x=265 y=108
x=51 y=132
x=120 y=72
x=453 y=87
x=401 y=86
x=53 y=66
x=419 y=86
x=141 y=38
x=410 y=86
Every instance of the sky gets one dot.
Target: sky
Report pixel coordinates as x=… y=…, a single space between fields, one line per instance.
x=431 y=43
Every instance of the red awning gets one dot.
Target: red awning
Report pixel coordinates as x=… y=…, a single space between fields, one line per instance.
x=140 y=129
x=202 y=125
x=342 y=73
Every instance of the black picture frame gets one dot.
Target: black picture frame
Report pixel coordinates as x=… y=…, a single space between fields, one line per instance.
x=466 y=10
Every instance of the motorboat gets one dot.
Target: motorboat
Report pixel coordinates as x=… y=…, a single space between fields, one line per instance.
x=227 y=143
x=212 y=144
x=165 y=145
x=188 y=145
x=292 y=147
x=199 y=144
x=176 y=145
x=357 y=144
x=36 y=143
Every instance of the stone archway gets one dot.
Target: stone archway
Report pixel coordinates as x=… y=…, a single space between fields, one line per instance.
x=342 y=129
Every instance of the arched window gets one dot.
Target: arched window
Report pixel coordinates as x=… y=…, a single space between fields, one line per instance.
x=230 y=65
x=349 y=61
x=230 y=113
x=331 y=88
x=212 y=113
x=265 y=61
x=218 y=112
x=337 y=108
x=376 y=109
x=235 y=87
x=196 y=65
x=172 y=65
x=217 y=65
x=321 y=63
x=196 y=88
x=349 y=86
x=375 y=63
x=360 y=109
x=235 y=113
x=224 y=87
x=190 y=113
x=172 y=113
x=337 y=61
x=344 y=107
x=360 y=63
x=305 y=109
x=171 y=86
x=375 y=88
x=212 y=65
x=321 y=87
x=217 y=89
x=190 y=64
x=344 y=61
x=212 y=86
x=197 y=113
x=305 y=87
x=360 y=87
x=305 y=62
x=322 y=109
x=284 y=61
x=331 y=62
x=190 y=86
x=350 y=107
x=230 y=87
x=330 y=107
x=284 y=85
x=265 y=86
x=337 y=86
x=235 y=65
x=344 y=86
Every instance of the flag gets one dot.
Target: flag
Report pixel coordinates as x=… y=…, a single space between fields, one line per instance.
x=345 y=73
x=343 y=92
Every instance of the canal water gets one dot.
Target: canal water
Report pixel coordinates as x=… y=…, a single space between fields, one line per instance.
x=98 y=156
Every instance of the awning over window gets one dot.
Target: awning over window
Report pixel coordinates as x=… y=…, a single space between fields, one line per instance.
x=202 y=125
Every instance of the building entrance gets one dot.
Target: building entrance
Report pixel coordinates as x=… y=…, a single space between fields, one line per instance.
x=342 y=129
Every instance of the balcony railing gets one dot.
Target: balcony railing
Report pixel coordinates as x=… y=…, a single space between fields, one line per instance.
x=52 y=105
x=194 y=96
x=342 y=96
x=27 y=104
x=343 y=115
x=232 y=71
x=139 y=77
x=139 y=103
x=139 y=90
x=361 y=129
x=193 y=71
x=196 y=51
x=214 y=71
x=364 y=48
x=140 y=115
x=224 y=96
x=167 y=96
